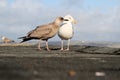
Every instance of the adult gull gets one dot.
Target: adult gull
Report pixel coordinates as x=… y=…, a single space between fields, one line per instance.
x=66 y=30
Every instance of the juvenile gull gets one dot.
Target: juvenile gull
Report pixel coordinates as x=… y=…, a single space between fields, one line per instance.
x=44 y=32
x=7 y=40
x=66 y=30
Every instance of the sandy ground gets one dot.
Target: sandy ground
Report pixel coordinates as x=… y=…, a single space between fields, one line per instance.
x=80 y=63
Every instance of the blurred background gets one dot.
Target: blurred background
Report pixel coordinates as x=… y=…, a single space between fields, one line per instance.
x=98 y=20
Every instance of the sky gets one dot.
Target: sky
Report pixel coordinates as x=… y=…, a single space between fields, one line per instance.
x=97 y=20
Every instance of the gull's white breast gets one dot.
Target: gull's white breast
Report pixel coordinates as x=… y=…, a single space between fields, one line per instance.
x=65 y=31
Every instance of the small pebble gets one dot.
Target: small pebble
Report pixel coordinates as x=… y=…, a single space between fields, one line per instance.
x=100 y=74
x=72 y=73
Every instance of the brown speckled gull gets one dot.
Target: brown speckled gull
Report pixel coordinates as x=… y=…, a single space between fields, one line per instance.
x=44 y=32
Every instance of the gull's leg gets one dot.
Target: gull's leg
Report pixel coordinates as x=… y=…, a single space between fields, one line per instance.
x=47 y=45
x=68 y=45
x=61 y=44
x=39 y=47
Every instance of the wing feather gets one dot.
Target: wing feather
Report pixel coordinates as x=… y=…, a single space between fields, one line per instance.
x=40 y=31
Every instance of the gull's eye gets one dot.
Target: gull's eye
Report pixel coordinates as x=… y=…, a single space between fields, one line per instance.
x=70 y=18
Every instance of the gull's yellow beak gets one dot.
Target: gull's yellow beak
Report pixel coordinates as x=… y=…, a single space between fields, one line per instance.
x=74 y=22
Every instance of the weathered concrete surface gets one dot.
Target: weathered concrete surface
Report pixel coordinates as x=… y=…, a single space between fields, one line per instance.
x=81 y=63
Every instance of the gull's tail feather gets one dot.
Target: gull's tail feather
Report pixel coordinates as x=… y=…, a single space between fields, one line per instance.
x=24 y=39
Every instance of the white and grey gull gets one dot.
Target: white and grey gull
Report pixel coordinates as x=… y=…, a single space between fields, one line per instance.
x=44 y=32
x=66 y=30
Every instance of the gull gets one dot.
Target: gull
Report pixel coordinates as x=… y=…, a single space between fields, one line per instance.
x=44 y=32
x=66 y=30
x=7 y=40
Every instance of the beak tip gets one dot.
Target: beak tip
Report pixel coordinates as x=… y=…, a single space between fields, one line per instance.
x=75 y=22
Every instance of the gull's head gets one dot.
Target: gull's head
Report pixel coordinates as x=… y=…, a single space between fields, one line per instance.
x=59 y=20
x=70 y=19
x=3 y=37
